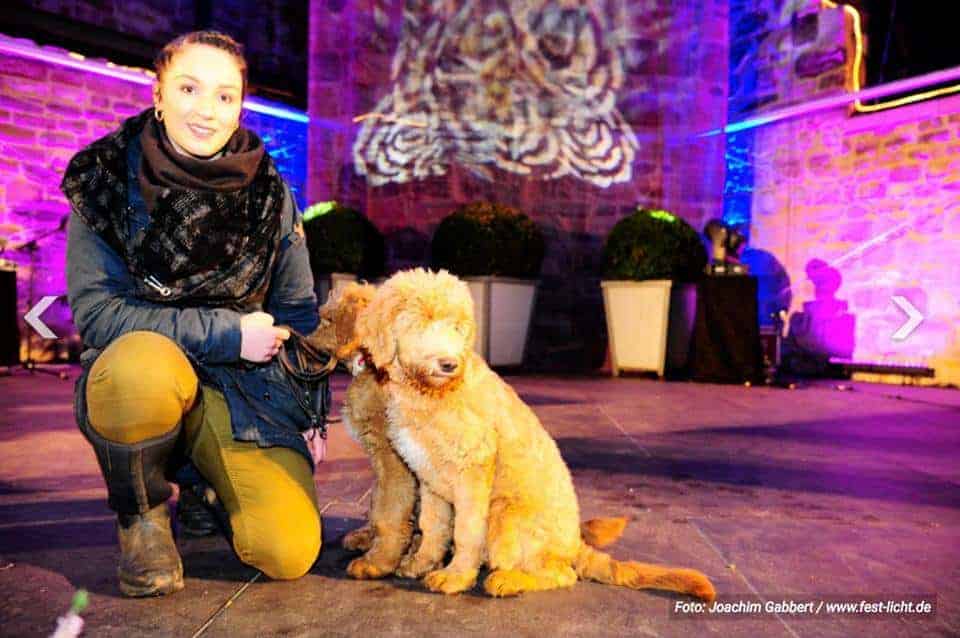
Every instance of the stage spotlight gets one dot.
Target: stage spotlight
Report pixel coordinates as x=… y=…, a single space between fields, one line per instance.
x=735 y=244
x=726 y=242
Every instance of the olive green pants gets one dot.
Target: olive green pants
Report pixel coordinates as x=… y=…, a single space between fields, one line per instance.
x=142 y=386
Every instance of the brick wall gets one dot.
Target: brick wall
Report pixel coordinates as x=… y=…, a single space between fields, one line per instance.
x=785 y=52
x=47 y=113
x=876 y=196
x=672 y=56
x=844 y=211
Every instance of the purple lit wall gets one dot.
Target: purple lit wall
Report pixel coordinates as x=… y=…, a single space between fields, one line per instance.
x=845 y=211
x=447 y=90
x=877 y=198
x=48 y=111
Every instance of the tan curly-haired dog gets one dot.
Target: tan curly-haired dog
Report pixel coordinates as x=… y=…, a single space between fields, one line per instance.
x=387 y=534
x=486 y=466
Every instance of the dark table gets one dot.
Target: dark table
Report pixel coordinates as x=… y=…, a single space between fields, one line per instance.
x=726 y=335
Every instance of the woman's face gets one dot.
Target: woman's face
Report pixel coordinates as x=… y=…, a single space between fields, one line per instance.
x=200 y=94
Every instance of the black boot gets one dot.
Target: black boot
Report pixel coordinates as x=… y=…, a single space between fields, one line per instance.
x=196 y=510
x=138 y=492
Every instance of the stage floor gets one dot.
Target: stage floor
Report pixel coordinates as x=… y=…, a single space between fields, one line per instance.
x=775 y=494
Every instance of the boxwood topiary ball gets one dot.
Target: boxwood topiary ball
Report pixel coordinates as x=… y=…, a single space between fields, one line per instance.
x=653 y=244
x=484 y=239
x=341 y=239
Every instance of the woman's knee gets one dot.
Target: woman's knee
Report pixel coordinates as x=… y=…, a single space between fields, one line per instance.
x=284 y=548
x=139 y=388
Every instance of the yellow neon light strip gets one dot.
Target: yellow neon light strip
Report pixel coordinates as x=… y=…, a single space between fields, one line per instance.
x=859 y=106
x=390 y=118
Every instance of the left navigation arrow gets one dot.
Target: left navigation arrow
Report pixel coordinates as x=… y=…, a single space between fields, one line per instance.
x=33 y=318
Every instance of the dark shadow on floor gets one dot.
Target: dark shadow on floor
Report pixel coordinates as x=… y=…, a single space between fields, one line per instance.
x=544 y=399
x=51 y=511
x=916 y=439
x=700 y=457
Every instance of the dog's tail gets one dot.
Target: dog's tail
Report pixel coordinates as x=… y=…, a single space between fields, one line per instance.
x=601 y=567
x=600 y=532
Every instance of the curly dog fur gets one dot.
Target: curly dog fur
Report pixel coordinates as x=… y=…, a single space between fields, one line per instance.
x=491 y=477
x=387 y=535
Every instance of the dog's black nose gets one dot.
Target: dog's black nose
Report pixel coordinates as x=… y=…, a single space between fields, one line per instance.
x=447 y=366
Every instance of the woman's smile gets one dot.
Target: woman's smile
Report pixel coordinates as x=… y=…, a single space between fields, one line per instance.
x=202 y=132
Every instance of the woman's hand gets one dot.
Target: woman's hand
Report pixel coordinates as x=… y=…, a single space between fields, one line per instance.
x=316 y=444
x=259 y=340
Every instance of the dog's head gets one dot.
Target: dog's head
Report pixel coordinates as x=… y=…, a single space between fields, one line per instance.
x=336 y=334
x=419 y=327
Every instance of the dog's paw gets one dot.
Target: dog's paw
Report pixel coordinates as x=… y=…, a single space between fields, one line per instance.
x=450 y=581
x=364 y=569
x=415 y=566
x=360 y=539
x=508 y=582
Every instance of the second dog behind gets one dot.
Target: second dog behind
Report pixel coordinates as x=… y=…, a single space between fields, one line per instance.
x=388 y=532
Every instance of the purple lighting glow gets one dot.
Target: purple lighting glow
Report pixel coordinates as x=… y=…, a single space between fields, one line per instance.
x=872 y=197
x=809 y=108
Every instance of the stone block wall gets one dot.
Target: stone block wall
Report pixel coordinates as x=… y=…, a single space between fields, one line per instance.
x=47 y=113
x=666 y=66
x=844 y=211
x=877 y=198
x=786 y=51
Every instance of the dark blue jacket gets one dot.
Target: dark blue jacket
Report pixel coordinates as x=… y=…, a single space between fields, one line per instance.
x=100 y=288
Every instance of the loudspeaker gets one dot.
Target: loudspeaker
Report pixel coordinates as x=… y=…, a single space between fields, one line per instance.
x=9 y=330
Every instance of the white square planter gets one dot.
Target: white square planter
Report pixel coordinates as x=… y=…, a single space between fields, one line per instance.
x=641 y=315
x=503 y=307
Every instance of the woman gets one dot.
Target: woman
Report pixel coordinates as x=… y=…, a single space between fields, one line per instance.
x=185 y=249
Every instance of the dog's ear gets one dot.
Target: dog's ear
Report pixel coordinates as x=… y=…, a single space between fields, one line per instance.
x=353 y=299
x=357 y=293
x=375 y=325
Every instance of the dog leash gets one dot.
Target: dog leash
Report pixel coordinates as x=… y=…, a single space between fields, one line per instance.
x=302 y=362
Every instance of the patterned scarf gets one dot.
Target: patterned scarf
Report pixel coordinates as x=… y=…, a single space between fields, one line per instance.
x=214 y=230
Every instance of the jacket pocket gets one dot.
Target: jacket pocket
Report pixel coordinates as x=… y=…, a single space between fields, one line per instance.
x=275 y=400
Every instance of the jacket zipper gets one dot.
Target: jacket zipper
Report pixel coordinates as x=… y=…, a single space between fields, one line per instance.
x=156 y=284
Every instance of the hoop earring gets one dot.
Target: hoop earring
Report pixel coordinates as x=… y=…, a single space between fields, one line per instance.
x=157 y=113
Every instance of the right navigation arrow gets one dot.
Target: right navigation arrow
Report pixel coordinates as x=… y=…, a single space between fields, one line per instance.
x=914 y=318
